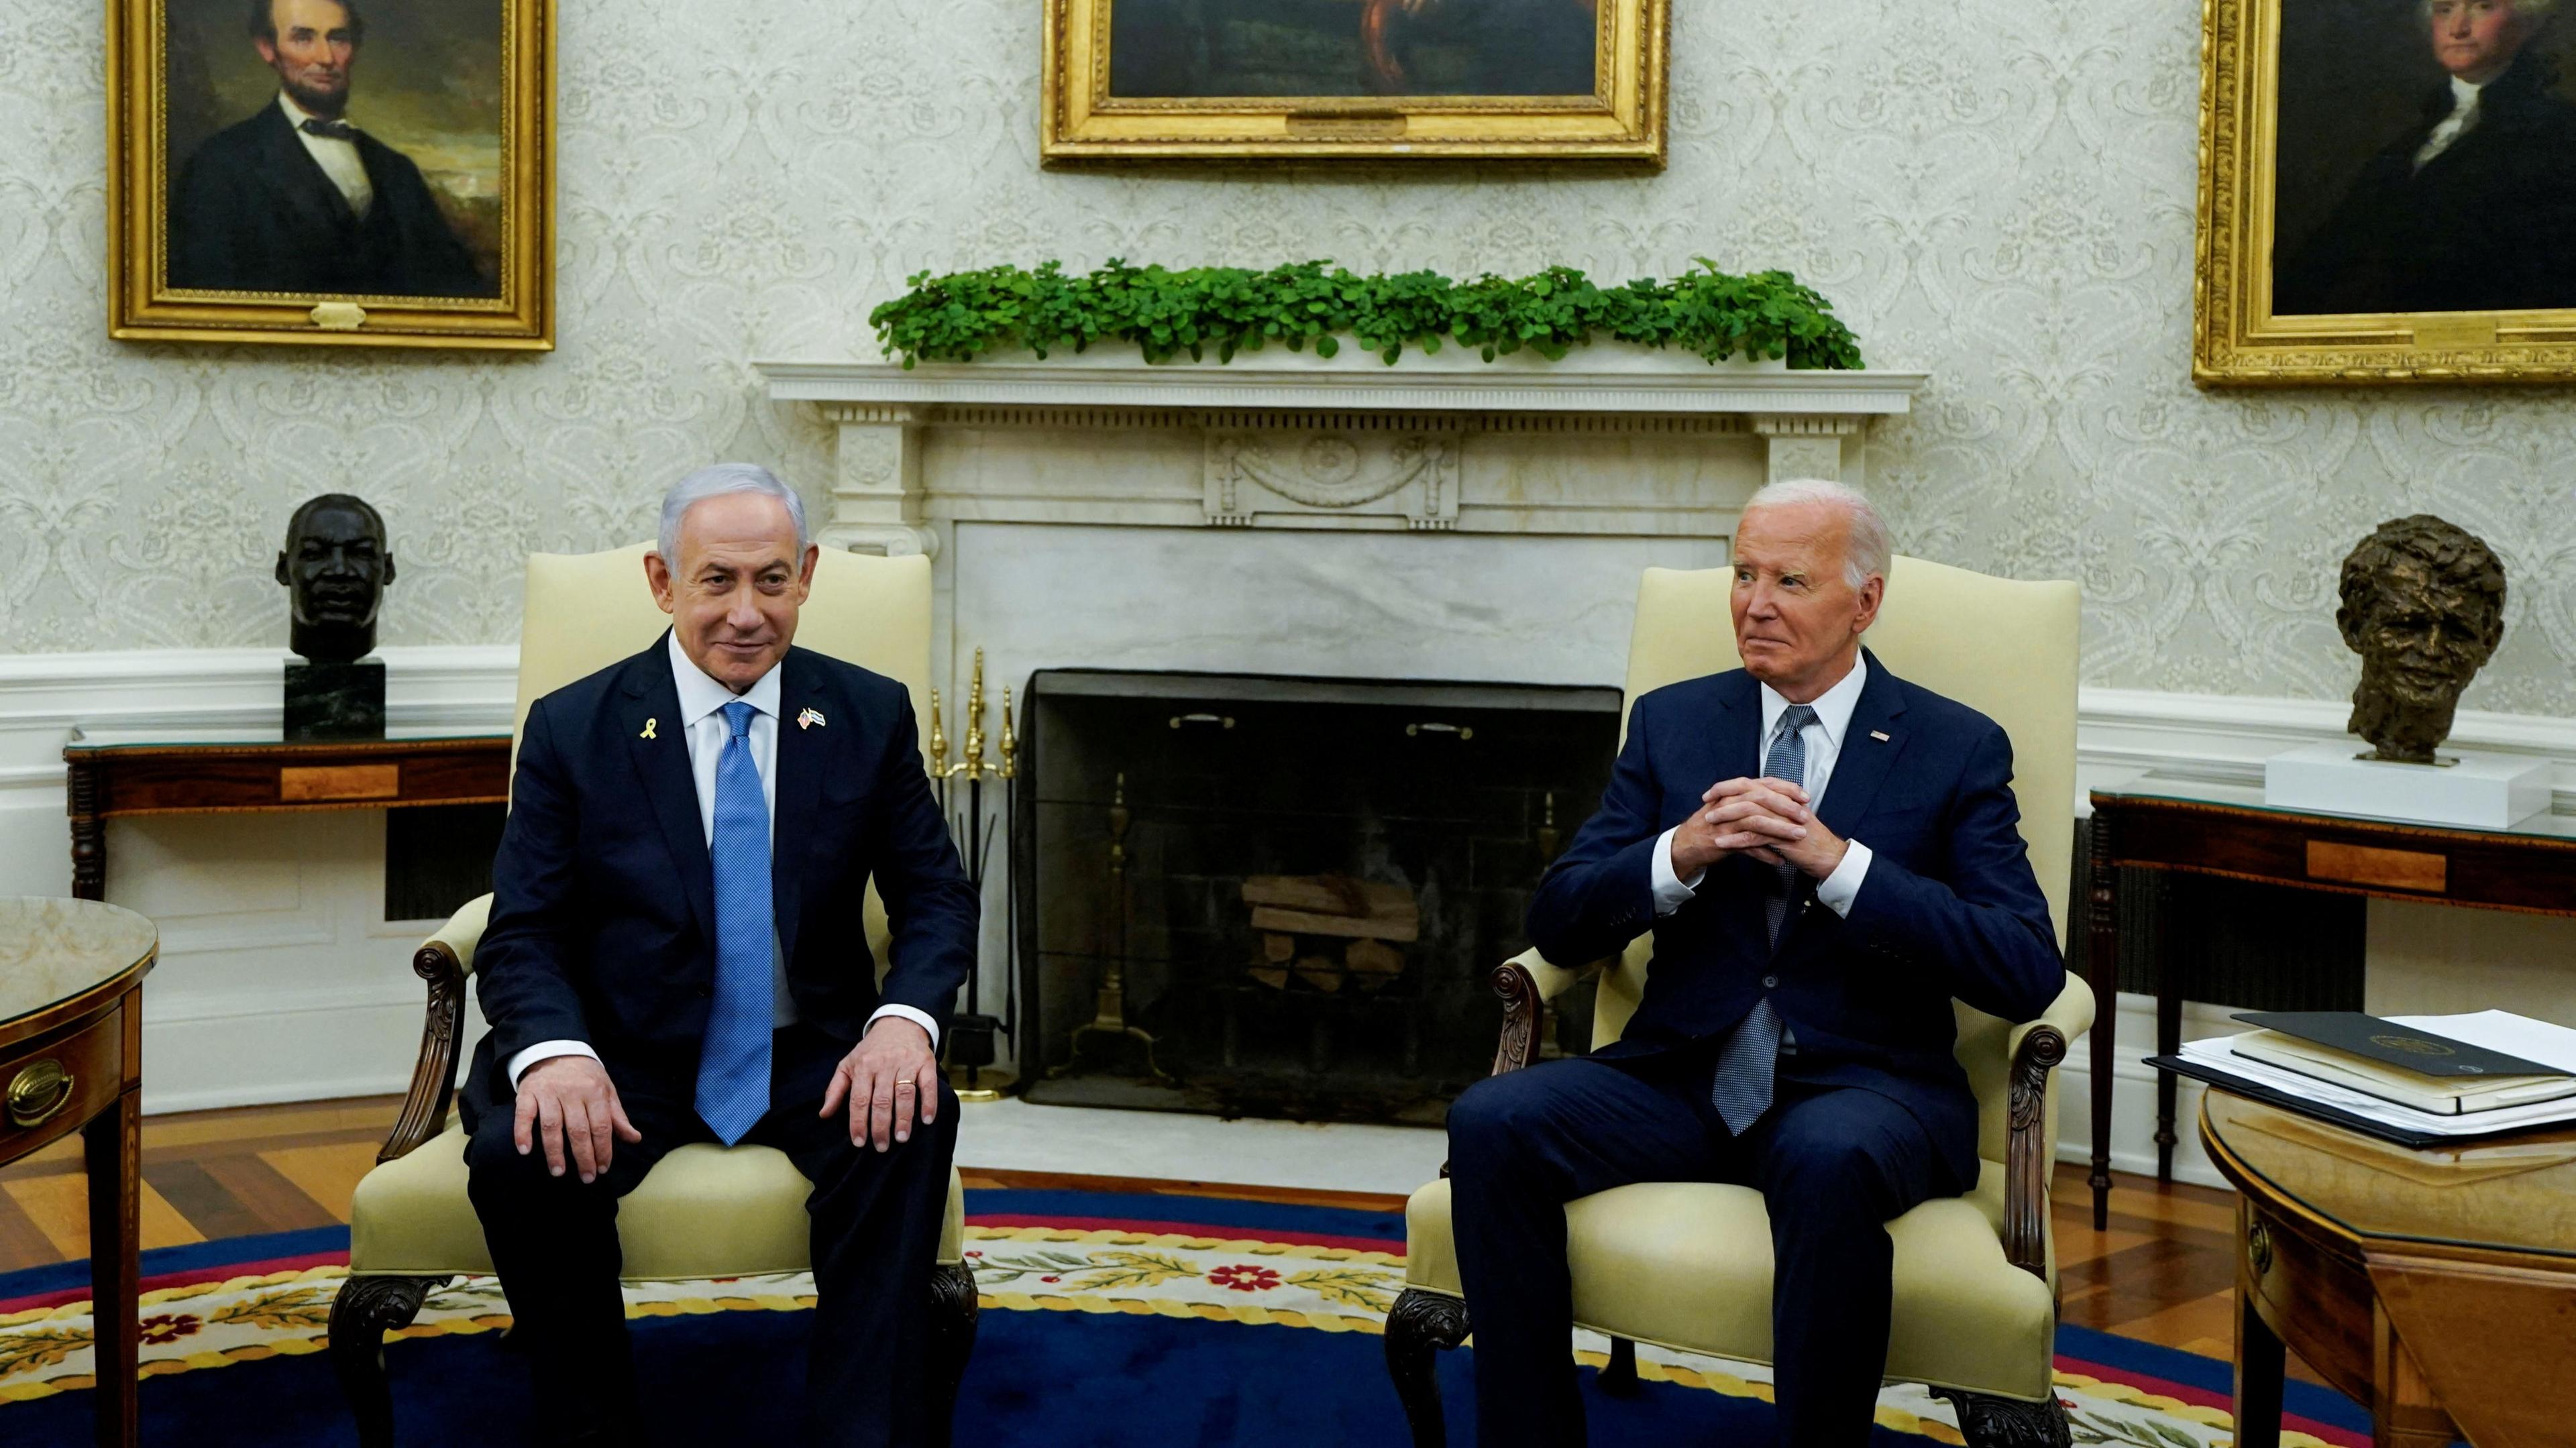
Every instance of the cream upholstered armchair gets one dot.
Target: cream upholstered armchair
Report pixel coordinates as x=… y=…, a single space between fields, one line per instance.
x=1688 y=1265
x=705 y=1210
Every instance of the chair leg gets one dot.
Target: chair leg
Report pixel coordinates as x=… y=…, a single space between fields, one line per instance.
x=952 y=1341
x=1421 y=1324
x=364 y=1311
x=1991 y=1422
x=1619 y=1376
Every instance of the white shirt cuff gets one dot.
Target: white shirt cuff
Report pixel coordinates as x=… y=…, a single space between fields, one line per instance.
x=1837 y=891
x=928 y=1026
x=542 y=1050
x=1671 y=891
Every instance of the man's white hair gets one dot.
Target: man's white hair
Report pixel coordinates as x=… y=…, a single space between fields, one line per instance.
x=715 y=482
x=1867 y=548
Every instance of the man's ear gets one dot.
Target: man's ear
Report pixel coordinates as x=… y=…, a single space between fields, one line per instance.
x=805 y=575
x=657 y=576
x=267 y=51
x=281 y=568
x=1872 y=594
x=389 y=572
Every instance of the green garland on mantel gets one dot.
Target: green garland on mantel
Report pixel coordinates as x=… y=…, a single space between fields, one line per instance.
x=1227 y=310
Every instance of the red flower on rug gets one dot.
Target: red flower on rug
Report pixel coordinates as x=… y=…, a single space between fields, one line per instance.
x=169 y=1329
x=1244 y=1278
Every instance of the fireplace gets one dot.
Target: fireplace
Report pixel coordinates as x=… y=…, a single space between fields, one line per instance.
x=1276 y=896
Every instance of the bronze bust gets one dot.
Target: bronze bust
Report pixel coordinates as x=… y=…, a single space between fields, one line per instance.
x=336 y=565
x=2423 y=604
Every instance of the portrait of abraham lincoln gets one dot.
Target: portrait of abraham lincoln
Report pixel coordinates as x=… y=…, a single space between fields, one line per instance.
x=335 y=147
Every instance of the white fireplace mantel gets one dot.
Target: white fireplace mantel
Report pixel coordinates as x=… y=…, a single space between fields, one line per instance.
x=1612 y=441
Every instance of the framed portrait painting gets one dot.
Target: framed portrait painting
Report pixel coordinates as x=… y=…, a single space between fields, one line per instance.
x=1378 y=80
x=341 y=172
x=2387 y=192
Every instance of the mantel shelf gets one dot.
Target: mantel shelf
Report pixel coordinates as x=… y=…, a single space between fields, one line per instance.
x=1628 y=381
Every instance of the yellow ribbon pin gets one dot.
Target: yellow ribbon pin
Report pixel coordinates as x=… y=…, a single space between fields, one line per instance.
x=648 y=729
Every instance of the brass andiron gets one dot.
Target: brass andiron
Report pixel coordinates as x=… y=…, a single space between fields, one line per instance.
x=1111 y=1019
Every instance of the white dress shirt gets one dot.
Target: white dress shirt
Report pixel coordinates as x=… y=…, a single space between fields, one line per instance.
x=702 y=720
x=1823 y=736
x=2463 y=116
x=337 y=157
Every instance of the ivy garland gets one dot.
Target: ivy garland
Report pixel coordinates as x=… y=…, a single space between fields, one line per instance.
x=1231 y=309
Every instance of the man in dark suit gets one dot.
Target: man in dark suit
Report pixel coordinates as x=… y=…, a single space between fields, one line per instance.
x=1826 y=855
x=2473 y=208
x=296 y=199
x=675 y=955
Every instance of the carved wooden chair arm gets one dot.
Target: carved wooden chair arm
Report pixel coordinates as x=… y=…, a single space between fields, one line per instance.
x=2030 y=1153
x=444 y=960
x=1525 y=982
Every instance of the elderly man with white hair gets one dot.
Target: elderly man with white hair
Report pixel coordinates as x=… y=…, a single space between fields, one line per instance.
x=674 y=956
x=1826 y=855
x=2470 y=208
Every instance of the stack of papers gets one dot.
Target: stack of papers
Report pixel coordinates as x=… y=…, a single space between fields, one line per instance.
x=2218 y=1062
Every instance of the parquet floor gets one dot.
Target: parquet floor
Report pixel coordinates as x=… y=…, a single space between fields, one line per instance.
x=2163 y=1271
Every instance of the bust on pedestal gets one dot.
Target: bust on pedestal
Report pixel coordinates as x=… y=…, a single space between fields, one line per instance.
x=336 y=567
x=2422 y=602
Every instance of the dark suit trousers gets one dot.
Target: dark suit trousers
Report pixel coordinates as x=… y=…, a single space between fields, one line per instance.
x=876 y=1223
x=1834 y=1164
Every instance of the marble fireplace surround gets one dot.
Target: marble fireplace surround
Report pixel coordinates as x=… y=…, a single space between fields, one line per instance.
x=1457 y=522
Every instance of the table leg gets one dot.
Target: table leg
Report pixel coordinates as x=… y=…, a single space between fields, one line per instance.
x=2403 y=1410
x=114 y=1142
x=2102 y=972
x=2260 y=1367
x=2168 y=1041
x=89 y=832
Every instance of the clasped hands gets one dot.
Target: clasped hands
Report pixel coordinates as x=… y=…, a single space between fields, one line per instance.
x=568 y=1104
x=1765 y=818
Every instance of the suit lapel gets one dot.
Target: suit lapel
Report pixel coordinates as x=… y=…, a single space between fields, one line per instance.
x=301 y=181
x=801 y=758
x=1869 y=749
x=662 y=763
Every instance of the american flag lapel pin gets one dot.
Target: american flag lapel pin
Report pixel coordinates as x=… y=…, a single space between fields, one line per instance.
x=1878 y=734
x=809 y=718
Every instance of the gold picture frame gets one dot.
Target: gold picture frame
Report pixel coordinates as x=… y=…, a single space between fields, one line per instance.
x=1360 y=96
x=2309 y=177
x=421 y=214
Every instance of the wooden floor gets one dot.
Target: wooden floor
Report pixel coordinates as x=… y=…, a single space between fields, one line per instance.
x=2163 y=1272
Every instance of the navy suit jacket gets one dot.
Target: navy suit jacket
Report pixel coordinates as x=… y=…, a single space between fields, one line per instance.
x=253 y=211
x=1948 y=908
x=603 y=893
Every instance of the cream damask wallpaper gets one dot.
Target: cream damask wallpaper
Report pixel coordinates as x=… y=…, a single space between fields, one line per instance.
x=1997 y=191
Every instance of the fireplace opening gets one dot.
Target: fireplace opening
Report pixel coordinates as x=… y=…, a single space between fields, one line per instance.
x=1264 y=896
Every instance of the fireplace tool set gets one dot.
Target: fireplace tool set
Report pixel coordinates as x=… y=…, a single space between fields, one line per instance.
x=971 y=1048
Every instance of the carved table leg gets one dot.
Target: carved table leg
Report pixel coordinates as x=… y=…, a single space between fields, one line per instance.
x=1421 y=1324
x=1991 y=1422
x=2102 y=971
x=952 y=1341
x=113 y=1143
x=366 y=1309
x=89 y=832
x=2168 y=1041
x=2260 y=1364
x=2404 y=1413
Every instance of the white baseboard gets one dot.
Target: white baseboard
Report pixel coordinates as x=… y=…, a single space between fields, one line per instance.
x=309 y=996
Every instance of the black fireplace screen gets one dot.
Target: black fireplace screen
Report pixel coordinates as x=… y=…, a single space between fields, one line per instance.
x=1267 y=896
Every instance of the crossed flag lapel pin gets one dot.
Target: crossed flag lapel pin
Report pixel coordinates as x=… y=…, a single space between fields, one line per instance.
x=807 y=719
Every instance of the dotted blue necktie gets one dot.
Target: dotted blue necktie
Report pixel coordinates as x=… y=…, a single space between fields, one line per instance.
x=733 y=1060
x=1741 y=1089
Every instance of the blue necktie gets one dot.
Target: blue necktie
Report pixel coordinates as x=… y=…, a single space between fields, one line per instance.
x=1741 y=1090
x=733 y=1060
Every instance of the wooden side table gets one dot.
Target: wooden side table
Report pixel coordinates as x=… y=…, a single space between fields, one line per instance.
x=2160 y=823
x=109 y=777
x=2435 y=1286
x=71 y=1058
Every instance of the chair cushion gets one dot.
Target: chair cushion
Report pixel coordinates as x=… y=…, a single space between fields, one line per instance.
x=1688 y=1265
x=703 y=1211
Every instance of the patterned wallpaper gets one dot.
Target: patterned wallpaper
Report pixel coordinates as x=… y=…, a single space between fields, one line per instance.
x=1997 y=191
